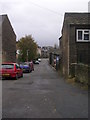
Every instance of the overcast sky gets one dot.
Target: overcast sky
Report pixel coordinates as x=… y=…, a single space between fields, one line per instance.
x=43 y=19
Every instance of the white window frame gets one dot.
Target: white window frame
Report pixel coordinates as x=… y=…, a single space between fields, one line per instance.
x=83 y=33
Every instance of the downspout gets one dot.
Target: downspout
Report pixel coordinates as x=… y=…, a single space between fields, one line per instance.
x=68 y=46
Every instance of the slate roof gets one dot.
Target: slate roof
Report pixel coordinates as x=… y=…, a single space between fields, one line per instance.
x=76 y=18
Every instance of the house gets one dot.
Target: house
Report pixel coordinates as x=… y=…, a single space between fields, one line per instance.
x=54 y=56
x=45 y=51
x=75 y=41
x=8 y=40
x=39 y=51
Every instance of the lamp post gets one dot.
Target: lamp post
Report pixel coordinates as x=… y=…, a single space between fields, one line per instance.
x=27 y=55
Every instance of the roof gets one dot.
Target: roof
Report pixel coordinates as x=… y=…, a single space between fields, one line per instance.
x=76 y=18
x=55 y=51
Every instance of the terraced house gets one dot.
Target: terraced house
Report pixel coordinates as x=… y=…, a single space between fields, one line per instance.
x=8 y=39
x=75 y=41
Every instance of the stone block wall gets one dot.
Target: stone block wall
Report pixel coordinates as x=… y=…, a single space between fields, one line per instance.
x=8 y=41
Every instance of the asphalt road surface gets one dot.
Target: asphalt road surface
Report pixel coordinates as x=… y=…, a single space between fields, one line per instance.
x=43 y=94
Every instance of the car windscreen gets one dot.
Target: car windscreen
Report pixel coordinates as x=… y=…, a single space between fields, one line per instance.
x=7 y=66
x=26 y=65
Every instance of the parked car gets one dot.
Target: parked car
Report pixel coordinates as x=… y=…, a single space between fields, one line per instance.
x=11 y=70
x=26 y=67
x=35 y=61
x=39 y=59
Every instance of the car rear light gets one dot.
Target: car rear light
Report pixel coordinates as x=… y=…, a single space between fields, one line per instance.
x=14 y=68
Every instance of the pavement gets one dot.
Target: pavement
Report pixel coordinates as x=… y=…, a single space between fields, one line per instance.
x=43 y=94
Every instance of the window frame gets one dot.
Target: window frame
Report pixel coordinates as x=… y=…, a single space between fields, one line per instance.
x=83 y=33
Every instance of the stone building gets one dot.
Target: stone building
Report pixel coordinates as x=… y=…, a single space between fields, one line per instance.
x=45 y=51
x=8 y=40
x=39 y=51
x=0 y=40
x=75 y=40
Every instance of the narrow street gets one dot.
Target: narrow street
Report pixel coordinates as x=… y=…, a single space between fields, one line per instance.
x=43 y=94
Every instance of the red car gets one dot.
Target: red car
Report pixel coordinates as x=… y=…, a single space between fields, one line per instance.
x=11 y=70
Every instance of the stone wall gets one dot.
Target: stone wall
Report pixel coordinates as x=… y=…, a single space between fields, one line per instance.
x=65 y=50
x=72 y=50
x=8 y=41
x=80 y=72
x=78 y=48
x=0 y=40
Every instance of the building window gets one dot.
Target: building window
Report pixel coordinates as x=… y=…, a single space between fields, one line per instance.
x=83 y=35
